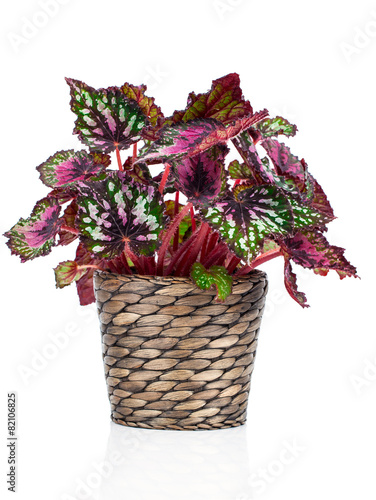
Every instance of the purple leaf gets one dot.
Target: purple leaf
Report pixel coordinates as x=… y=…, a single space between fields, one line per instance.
x=69 y=219
x=66 y=168
x=289 y=166
x=85 y=285
x=106 y=118
x=35 y=236
x=260 y=168
x=200 y=178
x=253 y=214
x=291 y=286
x=194 y=137
x=118 y=213
x=311 y=250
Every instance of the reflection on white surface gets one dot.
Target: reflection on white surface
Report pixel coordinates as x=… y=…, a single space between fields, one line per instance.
x=179 y=465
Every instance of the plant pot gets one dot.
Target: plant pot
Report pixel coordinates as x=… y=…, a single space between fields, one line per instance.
x=174 y=358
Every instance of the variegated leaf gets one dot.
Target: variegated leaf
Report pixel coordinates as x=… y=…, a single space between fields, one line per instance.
x=260 y=168
x=36 y=235
x=224 y=102
x=306 y=217
x=272 y=127
x=67 y=272
x=310 y=249
x=217 y=276
x=289 y=166
x=66 y=168
x=106 y=118
x=291 y=285
x=245 y=220
x=194 y=137
x=146 y=104
x=119 y=213
x=200 y=178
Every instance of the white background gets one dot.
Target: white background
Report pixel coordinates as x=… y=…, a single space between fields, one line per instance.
x=314 y=386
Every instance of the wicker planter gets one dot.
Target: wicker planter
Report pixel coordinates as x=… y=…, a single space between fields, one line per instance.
x=174 y=358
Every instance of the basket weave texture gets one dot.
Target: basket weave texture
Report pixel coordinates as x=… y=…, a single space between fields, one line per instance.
x=174 y=358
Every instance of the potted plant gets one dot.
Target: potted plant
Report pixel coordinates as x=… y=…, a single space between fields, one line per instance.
x=179 y=297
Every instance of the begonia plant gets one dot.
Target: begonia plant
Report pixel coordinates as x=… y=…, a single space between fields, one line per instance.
x=237 y=212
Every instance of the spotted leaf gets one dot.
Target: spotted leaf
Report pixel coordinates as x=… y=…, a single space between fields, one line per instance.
x=291 y=285
x=36 y=235
x=310 y=249
x=106 y=118
x=118 y=213
x=66 y=168
x=239 y=170
x=306 y=217
x=200 y=178
x=216 y=276
x=271 y=127
x=245 y=220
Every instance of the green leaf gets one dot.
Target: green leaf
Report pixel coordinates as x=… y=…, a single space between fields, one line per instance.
x=272 y=127
x=216 y=276
x=306 y=217
x=67 y=272
x=106 y=118
x=240 y=171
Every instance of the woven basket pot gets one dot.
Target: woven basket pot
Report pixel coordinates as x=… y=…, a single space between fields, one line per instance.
x=174 y=358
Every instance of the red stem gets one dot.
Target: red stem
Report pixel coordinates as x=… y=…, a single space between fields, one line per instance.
x=194 y=251
x=72 y=230
x=136 y=261
x=180 y=254
x=134 y=152
x=164 y=178
x=212 y=258
x=120 y=165
x=168 y=235
x=271 y=254
x=176 y=211
x=193 y=220
x=231 y=266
